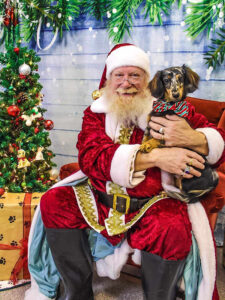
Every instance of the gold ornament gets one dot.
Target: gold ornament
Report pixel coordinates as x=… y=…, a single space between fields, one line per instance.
x=39 y=155
x=22 y=161
x=96 y=94
x=54 y=173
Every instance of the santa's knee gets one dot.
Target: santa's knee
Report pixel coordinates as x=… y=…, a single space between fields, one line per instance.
x=58 y=206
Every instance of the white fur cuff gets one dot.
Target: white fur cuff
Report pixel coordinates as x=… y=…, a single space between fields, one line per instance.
x=122 y=165
x=215 y=144
x=111 y=265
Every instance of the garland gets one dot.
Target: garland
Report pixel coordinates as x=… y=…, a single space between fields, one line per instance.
x=202 y=16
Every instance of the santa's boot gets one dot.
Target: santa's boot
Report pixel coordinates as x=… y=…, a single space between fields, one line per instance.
x=72 y=257
x=160 y=276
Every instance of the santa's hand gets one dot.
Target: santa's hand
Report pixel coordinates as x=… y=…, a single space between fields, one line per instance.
x=173 y=160
x=175 y=131
x=178 y=161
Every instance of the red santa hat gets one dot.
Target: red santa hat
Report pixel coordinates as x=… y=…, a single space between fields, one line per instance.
x=124 y=55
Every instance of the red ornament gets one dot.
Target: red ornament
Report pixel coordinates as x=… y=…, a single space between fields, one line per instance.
x=2 y=191
x=13 y=110
x=22 y=76
x=1 y=174
x=48 y=124
x=36 y=130
x=16 y=50
x=49 y=153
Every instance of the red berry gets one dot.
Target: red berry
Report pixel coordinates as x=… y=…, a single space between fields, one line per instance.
x=36 y=130
x=16 y=50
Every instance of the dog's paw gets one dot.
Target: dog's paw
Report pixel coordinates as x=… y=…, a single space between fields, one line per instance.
x=148 y=146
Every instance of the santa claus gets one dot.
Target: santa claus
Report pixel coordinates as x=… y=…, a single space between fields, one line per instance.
x=118 y=202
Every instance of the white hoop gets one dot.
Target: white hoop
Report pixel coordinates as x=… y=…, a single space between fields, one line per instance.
x=38 y=37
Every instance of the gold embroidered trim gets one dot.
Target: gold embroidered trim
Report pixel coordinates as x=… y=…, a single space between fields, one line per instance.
x=115 y=225
x=87 y=205
x=113 y=188
x=125 y=134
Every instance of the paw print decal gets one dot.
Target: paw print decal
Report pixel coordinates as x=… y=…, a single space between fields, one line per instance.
x=12 y=219
x=2 y=261
x=27 y=224
x=14 y=243
x=1 y=237
x=1 y=205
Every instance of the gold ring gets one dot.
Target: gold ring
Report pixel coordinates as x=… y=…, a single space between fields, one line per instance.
x=190 y=163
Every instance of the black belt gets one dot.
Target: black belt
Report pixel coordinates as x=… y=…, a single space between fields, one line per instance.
x=121 y=203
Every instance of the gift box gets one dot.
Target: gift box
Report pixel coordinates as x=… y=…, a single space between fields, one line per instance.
x=16 y=213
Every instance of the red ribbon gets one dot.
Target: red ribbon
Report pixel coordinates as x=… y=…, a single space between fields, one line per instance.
x=21 y=262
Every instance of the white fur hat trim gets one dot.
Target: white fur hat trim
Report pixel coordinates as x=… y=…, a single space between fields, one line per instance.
x=127 y=56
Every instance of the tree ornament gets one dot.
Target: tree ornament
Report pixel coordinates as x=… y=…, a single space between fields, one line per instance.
x=54 y=173
x=48 y=124
x=31 y=118
x=22 y=97
x=13 y=110
x=22 y=161
x=39 y=155
x=16 y=50
x=24 y=69
x=22 y=76
x=36 y=130
x=2 y=191
x=11 y=149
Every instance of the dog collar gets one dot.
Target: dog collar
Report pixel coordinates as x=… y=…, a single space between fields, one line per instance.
x=180 y=108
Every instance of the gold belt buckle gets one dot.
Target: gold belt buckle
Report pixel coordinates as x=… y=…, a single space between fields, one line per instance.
x=122 y=196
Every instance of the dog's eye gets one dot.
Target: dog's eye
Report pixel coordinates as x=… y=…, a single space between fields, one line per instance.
x=166 y=80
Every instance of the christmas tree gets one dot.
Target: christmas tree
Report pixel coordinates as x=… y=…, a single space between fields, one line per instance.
x=25 y=161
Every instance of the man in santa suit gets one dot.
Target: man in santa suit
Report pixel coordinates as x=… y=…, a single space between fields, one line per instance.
x=122 y=201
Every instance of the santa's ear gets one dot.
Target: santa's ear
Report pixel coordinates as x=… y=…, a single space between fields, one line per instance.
x=191 y=79
x=156 y=85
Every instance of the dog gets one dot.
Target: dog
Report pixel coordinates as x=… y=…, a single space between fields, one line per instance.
x=171 y=86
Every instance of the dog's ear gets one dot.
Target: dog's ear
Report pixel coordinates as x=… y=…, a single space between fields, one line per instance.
x=191 y=79
x=156 y=85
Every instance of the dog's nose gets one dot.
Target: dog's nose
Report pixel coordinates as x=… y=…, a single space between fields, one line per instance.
x=175 y=95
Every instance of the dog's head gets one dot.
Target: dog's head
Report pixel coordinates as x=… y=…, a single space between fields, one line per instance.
x=173 y=84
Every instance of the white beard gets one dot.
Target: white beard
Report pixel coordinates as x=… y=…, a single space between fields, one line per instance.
x=128 y=109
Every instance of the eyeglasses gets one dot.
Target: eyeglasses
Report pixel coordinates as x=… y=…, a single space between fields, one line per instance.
x=131 y=78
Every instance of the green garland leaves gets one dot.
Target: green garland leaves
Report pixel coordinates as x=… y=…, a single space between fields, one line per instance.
x=215 y=56
x=117 y=15
x=203 y=16
x=55 y=14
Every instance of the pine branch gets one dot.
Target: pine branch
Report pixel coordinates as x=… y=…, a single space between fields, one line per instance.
x=215 y=57
x=121 y=20
x=57 y=13
x=153 y=9
x=96 y=8
x=203 y=16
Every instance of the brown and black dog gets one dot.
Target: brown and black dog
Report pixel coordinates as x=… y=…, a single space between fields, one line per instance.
x=170 y=87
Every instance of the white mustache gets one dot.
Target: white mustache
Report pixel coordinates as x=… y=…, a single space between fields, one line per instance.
x=127 y=91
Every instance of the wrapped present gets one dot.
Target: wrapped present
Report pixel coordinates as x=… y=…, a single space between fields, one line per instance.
x=16 y=213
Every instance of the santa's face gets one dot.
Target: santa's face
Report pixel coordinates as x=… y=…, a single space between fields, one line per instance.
x=127 y=81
